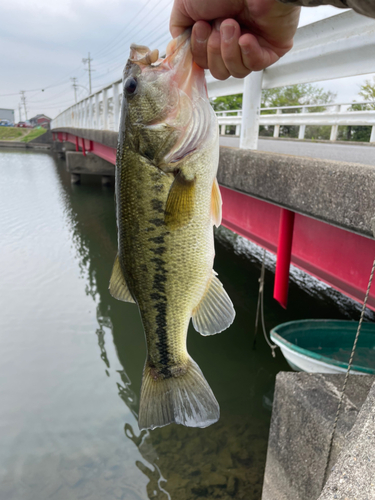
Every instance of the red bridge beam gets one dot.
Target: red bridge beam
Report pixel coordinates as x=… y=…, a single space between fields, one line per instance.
x=340 y=258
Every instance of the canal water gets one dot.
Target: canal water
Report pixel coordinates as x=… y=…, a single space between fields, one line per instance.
x=72 y=356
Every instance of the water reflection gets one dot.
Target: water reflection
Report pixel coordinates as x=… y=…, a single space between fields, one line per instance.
x=225 y=460
x=93 y=239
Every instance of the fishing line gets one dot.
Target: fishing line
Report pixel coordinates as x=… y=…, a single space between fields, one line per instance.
x=260 y=309
x=348 y=370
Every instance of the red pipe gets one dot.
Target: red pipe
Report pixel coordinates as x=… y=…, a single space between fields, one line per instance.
x=83 y=147
x=77 y=147
x=284 y=252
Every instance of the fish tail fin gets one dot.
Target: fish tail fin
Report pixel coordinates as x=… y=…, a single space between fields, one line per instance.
x=184 y=398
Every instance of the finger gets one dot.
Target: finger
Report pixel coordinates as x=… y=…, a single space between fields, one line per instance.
x=256 y=56
x=215 y=61
x=199 y=38
x=179 y=20
x=230 y=33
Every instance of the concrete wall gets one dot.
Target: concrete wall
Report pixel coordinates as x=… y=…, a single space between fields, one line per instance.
x=303 y=413
x=326 y=190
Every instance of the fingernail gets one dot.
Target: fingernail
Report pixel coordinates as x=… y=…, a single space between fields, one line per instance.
x=244 y=48
x=227 y=32
x=201 y=33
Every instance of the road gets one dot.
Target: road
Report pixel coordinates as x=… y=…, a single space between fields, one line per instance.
x=340 y=152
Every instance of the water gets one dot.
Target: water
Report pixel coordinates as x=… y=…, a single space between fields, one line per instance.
x=72 y=356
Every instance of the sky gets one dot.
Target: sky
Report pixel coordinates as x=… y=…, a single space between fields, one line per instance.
x=43 y=42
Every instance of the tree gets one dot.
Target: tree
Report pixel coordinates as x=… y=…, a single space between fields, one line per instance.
x=357 y=132
x=293 y=95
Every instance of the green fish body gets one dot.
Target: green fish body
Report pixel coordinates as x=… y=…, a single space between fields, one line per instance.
x=167 y=202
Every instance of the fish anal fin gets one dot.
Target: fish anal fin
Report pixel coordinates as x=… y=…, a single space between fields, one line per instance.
x=117 y=284
x=186 y=399
x=216 y=204
x=215 y=312
x=180 y=205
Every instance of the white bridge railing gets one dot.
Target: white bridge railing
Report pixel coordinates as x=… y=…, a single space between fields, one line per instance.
x=335 y=117
x=337 y=47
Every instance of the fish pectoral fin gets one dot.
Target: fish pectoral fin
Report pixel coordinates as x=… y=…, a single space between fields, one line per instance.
x=216 y=203
x=117 y=284
x=180 y=205
x=215 y=312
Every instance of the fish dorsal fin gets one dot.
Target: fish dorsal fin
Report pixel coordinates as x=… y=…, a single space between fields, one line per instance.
x=216 y=204
x=179 y=209
x=117 y=284
x=215 y=312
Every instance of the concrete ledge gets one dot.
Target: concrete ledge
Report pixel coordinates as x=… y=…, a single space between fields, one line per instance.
x=303 y=413
x=353 y=476
x=91 y=164
x=106 y=137
x=24 y=145
x=339 y=193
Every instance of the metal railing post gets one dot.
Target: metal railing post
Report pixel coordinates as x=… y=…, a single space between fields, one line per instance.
x=105 y=109
x=302 y=128
x=276 y=129
x=335 y=128
x=252 y=93
x=372 y=137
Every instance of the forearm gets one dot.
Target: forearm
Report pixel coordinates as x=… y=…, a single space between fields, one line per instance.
x=365 y=7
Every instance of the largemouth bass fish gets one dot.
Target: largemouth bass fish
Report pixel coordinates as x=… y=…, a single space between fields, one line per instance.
x=167 y=202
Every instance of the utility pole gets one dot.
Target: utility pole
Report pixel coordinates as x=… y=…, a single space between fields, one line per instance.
x=23 y=99
x=74 y=80
x=19 y=110
x=88 y=60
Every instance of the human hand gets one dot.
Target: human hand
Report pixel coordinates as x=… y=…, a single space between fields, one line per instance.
x=236 y=37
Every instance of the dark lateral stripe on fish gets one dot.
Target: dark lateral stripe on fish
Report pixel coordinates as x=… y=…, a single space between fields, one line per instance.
x=161 y=332
x=158 y=206
x=158 y=239
x=157 y=222
x=158 y=250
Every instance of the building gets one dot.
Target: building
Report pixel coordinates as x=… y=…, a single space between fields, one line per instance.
x=7 y=114
x=41 y=120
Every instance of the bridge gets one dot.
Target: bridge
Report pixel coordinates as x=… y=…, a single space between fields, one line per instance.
x=316 y=213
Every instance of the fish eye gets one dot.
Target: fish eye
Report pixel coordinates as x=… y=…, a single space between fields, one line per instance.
x=130 y=85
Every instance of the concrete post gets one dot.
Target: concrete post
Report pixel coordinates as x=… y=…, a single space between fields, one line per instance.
x=372 y=137
x=302 y=128
x=252 y=93
x=116 y=108
x=335 y=128
x=276 y=130
x=238 y=130
x=105 y=109
x=97 y=112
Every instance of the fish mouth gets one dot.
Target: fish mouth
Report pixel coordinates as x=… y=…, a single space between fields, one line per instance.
x=178 y=61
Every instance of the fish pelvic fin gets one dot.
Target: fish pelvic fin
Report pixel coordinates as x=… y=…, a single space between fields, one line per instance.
x=184 y=399
x=215 y=311
x=117 y=284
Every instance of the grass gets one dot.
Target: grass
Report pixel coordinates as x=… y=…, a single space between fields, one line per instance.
x=11 y=133
x=33 y=134
x=20 y=134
